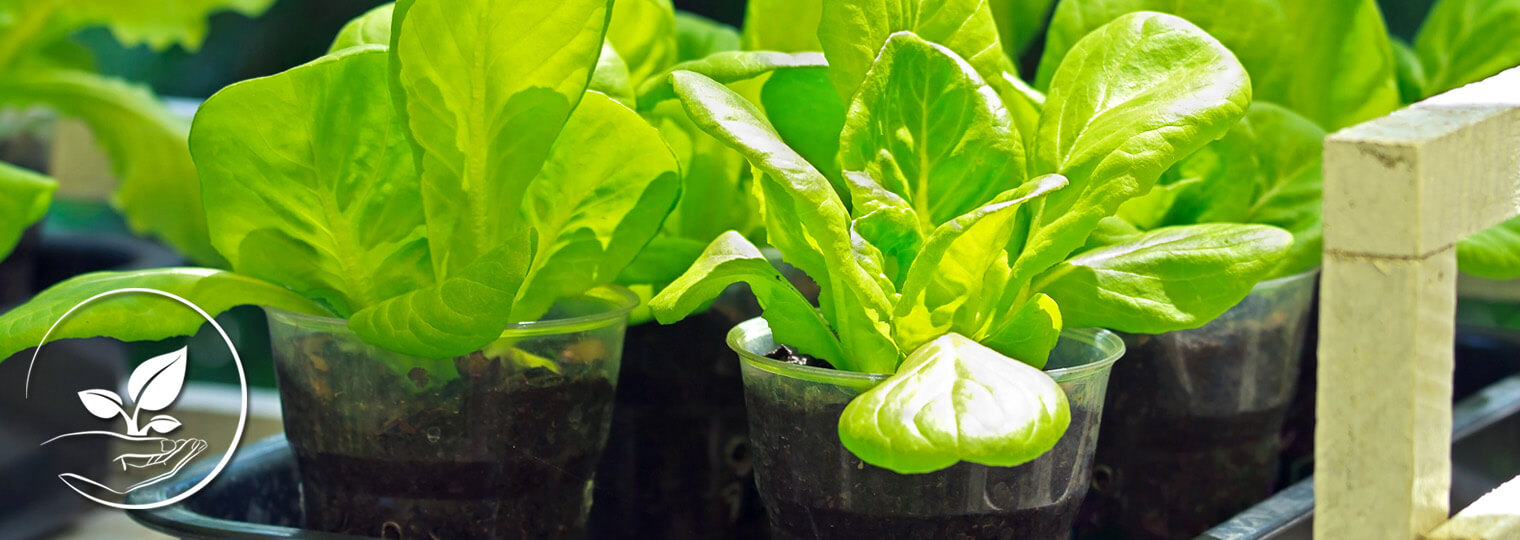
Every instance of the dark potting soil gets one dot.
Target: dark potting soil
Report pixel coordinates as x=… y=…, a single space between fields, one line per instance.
x=489 y=454
x=677 y=463
x=789 y=355
x=818 y=489
x=1162 y=471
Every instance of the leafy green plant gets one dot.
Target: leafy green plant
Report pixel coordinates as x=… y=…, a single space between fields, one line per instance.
x=428 y=195
x=40 y=66
x=1315 y=66
x=969 y=244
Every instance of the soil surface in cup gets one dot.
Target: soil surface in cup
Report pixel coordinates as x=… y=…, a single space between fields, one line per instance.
x=1161 y=472
x=817 y=489
x=677 y=463
x=489 y=454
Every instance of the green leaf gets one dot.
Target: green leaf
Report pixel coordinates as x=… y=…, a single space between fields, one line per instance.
x=1290 y=149
x=310 y=183
x=715 y=191
x=1330 y=61
x=1411 y=73
x=960 y=274
x=1129 y=100
x=371 y=28
x=24 y=198
x=731 y=259
x=954 y=400
x=663 y=260
x=1019 y=22
x=484 y=111
x=156 y=24
x=816 y=237
x=808 y=115
x=1466 y=41
x=611 y=77
x=726 y=67
x=159 y=192
x=1492 y=253
x=1168 y=279
x=781 y=25
x=698 y=36
x=460 y=314
x=1030 y=334
x=853 y=32
x=926 y=127
x=139 y=316
x=644 y=34
x=603 y=193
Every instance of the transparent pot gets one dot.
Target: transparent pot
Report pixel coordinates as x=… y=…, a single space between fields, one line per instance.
x=1198 y=415
x=500 y=443
x=814 y=488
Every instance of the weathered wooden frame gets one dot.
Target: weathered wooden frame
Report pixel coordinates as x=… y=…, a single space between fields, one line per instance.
x=1400 y=191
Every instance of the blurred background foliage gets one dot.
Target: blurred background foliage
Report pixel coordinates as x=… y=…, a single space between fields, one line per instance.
x=295 y=31
x=292 y=32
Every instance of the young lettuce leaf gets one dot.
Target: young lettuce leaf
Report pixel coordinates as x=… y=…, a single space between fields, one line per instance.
x=24 y=198
x=955 y=400
x=484 y=113
x=139 y=317
x=328 y=185
x=1465 y=41
x=1134 y=98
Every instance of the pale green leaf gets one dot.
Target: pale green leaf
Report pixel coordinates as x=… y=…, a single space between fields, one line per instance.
x=727 y=68
x=611 y=77
x=644 y=34
x=1030 y=333
x=962 y=270
x=310 y=182
x=139 y=316
x=1172 y=278
x=955 y=400
x=808 y=115
x=24 y=198
x=1493 y=253
x=816 y=236
x=1330 y=61
x=732 y=259
x=853 y=32
x=781 y=25
x=484 y=110
x=371 y=28
x=603 y=193
x=698 y=36
x=1129 y=100
x=926 y=127
x=460 y=314
x=1466 y=41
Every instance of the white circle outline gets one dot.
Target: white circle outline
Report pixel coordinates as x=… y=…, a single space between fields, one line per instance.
x=242 y=384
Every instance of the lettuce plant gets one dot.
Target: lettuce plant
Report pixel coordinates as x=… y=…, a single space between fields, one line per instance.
x=41 y=67
x=1315 y=67
x=969 y=243
x=429 y=195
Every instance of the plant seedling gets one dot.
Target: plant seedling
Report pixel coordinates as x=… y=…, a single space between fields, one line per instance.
x=970 y=241
x=430 y=196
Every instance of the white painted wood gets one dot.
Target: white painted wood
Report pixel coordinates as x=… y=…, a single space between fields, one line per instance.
x=1496 y=516
x=1399 y=192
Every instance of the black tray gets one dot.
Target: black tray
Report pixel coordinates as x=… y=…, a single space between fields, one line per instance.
x=257 y=496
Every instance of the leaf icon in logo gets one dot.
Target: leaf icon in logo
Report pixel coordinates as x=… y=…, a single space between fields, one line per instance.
x=163 y=423
x=104 y=404
x=156 y=383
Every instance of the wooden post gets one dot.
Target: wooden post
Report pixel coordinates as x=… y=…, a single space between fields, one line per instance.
x=1399 y=192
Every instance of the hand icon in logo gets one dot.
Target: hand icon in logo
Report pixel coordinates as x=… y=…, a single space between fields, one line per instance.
x=153 y=386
